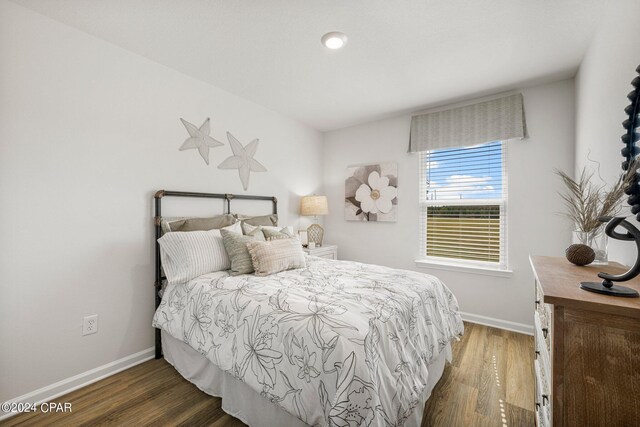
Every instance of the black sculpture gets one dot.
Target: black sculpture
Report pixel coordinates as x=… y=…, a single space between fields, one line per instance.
x=631 y=153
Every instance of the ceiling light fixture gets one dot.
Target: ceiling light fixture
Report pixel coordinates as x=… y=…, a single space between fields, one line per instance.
x=334 y=40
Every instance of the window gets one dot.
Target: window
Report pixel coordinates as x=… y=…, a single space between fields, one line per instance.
x=463 y=201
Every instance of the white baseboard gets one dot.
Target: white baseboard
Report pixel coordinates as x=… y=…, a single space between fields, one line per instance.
x=52 y=391
x=498 y=323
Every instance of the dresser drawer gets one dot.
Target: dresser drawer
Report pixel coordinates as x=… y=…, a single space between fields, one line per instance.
x=543 y=416
x=543 y=358
x=543 y=317
x=326 y=254
x=327 y=251
x=542 y=332
x=545 y=311
x=543 y=399
x=544 y=387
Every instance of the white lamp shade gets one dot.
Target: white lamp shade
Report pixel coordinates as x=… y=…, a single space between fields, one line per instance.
x=314 y=205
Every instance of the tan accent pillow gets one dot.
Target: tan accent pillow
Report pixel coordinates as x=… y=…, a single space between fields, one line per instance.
x=257 y=233
x=248 y=229
x=258 y=220
x=276 y=255
x=270 y=234
x=201 y=224
x=165 y=221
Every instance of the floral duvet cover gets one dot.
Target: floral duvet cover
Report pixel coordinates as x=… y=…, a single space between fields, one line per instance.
x=337 y=343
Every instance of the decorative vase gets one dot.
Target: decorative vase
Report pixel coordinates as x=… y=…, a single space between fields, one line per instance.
x=596 y=240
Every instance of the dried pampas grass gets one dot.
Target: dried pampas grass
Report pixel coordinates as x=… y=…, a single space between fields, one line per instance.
x=587 y=202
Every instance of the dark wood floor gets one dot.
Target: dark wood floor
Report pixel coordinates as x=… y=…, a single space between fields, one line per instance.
x=489 y=383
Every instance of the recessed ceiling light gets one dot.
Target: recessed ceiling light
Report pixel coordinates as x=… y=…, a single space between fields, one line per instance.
x=334 y=40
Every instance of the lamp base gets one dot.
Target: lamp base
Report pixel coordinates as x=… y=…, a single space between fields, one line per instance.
x=608 y=288
x=315 y=233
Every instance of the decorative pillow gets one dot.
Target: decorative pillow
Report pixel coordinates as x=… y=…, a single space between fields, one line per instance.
x=257 y=233
x=275 y=256
x=187 y=255
x=201 y=224
x=275 y=235
x=248 y=228
x=236 y=246
x=258 y=220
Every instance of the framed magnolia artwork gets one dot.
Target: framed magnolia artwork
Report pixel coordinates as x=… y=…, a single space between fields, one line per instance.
x=371 y=192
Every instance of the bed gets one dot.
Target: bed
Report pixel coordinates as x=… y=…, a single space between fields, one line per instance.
x=334 y=343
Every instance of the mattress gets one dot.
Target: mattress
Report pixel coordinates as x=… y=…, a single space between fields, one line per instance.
x=337 y=342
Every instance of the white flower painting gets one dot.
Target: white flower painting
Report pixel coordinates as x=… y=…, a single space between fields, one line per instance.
x=371 y=192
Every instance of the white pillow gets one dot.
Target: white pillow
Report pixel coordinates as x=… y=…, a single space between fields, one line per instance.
x=186 y=255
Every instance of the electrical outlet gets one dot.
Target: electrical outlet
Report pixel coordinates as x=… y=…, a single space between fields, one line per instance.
x=90 y=324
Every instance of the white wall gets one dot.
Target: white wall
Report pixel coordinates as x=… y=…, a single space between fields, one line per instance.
x=602 y=84
x=88 y=132
x=534 y=225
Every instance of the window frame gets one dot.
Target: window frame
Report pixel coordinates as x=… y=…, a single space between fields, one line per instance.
x=448 y=263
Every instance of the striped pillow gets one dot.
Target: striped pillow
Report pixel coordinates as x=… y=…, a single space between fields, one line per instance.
x=189 y=254
x=276 y=255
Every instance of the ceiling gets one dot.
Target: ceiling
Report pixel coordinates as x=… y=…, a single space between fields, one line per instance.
x=402 y=55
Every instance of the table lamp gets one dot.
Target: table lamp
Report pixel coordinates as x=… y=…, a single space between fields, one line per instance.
x=314 y=206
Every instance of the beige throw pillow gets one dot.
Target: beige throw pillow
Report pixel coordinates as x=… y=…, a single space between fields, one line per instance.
x=199 y=224
x=275 y=235
x=276 y=255
x=258 y=220
x=248 y=229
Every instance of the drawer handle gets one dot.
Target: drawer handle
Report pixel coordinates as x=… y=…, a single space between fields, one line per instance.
x=537 y=354
x=537 y=302
x=545 y=332
x=545 y=400
x=537 y=406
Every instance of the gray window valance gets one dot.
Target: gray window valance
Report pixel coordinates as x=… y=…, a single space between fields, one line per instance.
x=493 y=120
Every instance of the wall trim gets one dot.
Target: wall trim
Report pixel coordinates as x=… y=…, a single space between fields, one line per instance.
x=498 y=323
x=75 y=382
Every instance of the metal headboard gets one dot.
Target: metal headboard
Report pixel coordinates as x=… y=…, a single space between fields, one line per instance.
x=157 y=223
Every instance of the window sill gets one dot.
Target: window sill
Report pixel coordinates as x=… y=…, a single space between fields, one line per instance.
x=470 y=269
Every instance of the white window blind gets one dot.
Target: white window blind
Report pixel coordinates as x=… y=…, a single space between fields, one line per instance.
x=463 y=204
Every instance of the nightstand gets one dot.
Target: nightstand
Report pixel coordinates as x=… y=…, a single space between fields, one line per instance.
x=325 y=251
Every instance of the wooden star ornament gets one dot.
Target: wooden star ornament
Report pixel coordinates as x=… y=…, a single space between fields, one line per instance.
x=242 y=159
x=199 y=139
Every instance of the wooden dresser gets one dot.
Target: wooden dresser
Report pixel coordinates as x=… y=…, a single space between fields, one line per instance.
x=587 y=347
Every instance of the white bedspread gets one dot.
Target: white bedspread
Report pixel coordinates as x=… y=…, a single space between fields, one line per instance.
x=337 y=343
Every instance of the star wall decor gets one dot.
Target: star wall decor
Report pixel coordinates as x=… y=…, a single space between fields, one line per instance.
x=199 y=138
x=242 y=159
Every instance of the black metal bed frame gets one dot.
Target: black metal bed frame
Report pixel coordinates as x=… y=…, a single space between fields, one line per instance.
x=157 y=223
